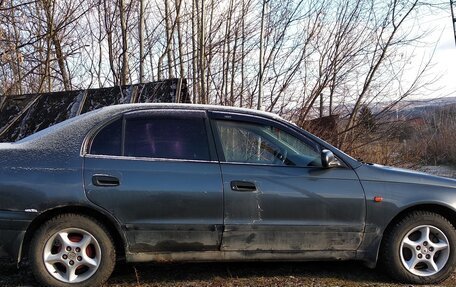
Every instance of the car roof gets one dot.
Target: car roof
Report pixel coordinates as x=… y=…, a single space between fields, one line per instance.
x=142 y=106
x=75 y=129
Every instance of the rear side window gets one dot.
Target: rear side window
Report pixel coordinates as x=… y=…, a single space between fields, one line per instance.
x=172 y=138
x=109 y=140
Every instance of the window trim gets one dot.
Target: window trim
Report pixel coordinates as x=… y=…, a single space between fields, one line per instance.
x=152 y=159
x=181 y=114
x=215 y=116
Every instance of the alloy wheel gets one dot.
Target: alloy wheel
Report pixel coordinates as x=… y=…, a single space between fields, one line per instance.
x=72 y=255
x=424 y=250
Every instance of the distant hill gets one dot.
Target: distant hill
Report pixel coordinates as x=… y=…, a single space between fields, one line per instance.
x=419 y=108
x=410 y=109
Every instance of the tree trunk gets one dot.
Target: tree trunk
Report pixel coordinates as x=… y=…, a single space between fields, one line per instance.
x=261 y=58
x=241 y=103
x=123 y=25
x=61 y=62
x=194 y=54
x=233 y=68
x=210 y=55
x=228 y=51
x=141 y=41
x=17 y=68
x=179 y=39
x=169 y=36
x=202 y=59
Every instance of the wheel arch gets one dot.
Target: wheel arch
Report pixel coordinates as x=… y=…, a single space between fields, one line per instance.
x=110 y=223
x=438 y=208
x=444 y=210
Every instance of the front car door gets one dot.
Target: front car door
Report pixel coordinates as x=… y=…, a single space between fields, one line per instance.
x=156 y=172
x=278 y=197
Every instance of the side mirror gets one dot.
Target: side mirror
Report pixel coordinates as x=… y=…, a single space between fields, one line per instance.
x=328 y=159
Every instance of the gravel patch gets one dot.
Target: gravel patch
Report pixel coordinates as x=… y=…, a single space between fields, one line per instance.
x=446 y=171
x=315 y=274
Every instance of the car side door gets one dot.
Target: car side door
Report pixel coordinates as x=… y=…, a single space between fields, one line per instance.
x=278 y=197
x=156 y=171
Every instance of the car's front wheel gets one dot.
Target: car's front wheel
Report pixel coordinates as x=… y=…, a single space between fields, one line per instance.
x=72 y=250
x=420 y=248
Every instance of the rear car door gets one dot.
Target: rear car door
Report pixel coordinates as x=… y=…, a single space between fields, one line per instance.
x=278 y=197
x=156 y=172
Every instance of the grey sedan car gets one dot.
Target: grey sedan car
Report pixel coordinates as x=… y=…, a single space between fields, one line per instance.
x=154 y=182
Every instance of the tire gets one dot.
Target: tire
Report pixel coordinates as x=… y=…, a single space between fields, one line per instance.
x=72 y=250
x=420 y=249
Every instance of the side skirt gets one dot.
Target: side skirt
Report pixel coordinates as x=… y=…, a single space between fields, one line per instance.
x=240 y=256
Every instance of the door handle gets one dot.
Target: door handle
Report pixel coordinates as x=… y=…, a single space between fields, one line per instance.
x=105 y=180
x=243 y=186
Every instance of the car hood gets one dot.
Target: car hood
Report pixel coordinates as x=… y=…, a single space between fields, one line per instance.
x=374 y=172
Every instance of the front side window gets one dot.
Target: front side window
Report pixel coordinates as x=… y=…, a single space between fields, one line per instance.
x=263 y=144
x=172 y=138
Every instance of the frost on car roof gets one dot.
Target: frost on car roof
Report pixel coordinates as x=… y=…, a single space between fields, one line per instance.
x=53 y=129
x=81 y=124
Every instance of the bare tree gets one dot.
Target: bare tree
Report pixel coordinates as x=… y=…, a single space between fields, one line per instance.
x=277 y=55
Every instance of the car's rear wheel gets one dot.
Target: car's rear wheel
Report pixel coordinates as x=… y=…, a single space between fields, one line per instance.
x=420 y=248
x=72 y=250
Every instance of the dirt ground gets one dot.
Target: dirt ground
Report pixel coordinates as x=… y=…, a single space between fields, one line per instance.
x=315 y=274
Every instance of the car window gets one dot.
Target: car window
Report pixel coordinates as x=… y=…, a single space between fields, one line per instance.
x=173 y=138
x=263 y=144
x=109 y=140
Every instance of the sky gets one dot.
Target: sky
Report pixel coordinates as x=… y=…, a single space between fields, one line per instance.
x=440 y=41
